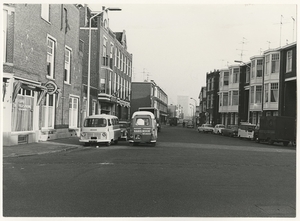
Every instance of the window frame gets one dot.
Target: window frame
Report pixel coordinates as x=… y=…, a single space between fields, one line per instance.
x=67 y=75
x=51 y=75
x=289 y=61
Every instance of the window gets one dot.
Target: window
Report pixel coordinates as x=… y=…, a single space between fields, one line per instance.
x=259 y=68
x=229 y=98
x=119 y=59
x=252 y=94
x=225 y=99
x=122 y=64
x=22 y=112
x=274 y=92
x=67 y=76
x=247 y=74
x=125 y=62
x=111 y=55
x=235 y=97
x=267 y=65
x=102 y=85
x=109 y=83
x=289 y=55
x=236 y=72
x=266 y=93
x=50 y=57
x=45 y=11
x=226 y=76
x=258 y=94
x=116 y=57
x=73 y=112
x=115 y=83
x=275 y=63
x=212 y=83
x=221 y=99
x=5 y=14
x=48 y=111
x=104 y=53
x=252 y=68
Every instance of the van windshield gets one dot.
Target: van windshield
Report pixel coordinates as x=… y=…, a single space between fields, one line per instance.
x=142 y=121
x=95 y=122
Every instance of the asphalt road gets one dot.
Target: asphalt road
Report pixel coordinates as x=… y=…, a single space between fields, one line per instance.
x=187 y=174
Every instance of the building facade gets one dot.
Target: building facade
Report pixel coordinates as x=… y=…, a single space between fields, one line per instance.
x=212 y=98
x=110 y=66
x=42 y=66
x=202 y=106
x=149 y=94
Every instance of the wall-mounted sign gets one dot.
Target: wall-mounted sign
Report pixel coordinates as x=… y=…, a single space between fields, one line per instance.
x=51 y=87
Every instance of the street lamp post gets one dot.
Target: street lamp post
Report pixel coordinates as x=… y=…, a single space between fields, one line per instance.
x=89 y=58
x=195 y=109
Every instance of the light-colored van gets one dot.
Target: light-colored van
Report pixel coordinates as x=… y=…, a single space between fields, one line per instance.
x=246 y=130
x=143 y=128
x=100 y=128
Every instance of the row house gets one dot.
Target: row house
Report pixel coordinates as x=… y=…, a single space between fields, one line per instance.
x=212 y=98
x=42 y=65
x=110 y=66
x=202 y=106
x=149 y=94
x=264 y=86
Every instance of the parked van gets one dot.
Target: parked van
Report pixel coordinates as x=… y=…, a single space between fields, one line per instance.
x=143 y=128
x=246 y=130
x=100 y=128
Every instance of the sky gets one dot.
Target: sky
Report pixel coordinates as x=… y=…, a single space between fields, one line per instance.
x=176 y=44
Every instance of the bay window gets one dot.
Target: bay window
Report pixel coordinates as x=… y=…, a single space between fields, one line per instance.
x=275 y=63
x=252 y=94
x=274 y=92
x=266 y=93
x=258 y=94
x=235 y=97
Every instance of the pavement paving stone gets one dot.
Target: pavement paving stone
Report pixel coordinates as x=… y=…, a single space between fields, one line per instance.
x=44 y=147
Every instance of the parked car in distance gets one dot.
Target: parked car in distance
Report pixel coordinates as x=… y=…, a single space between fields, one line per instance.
x=190 y=124
x=206 y=128
x=230 y=130
x=218 y=128
x=125 y=128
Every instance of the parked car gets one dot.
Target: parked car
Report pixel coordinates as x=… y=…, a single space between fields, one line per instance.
x=190 y=124
x=230 y=130
x=206 y=128
x=218 y=128
x=125 y=128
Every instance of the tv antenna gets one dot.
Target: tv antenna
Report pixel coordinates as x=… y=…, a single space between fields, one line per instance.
x=242 y=50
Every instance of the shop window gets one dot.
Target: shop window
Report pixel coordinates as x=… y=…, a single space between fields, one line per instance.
x=22 y=112
x=73 y=112
x=48 y=111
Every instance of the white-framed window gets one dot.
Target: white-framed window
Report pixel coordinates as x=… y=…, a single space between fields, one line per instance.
x=125 y=62
x=226 y=76
x=22 y=111
x=267 y=71
x=45 y=11
x=102 y=85
x=119 y=59
x=266 y=93
x=274 y=92
x=252 y=94
x=48 y=111
x=289 y=56
x=275 y=63
x=94 y=107
x=5 y=18
x=259 y=68
x=235 y=97
x=122 y=62
x=73 y=112
x=67 y=74
x=252 y=69
x=225 y=99
x=104 y=52
x=236 y=72
x=51 y=49
x=258 y=94
x=115 y=82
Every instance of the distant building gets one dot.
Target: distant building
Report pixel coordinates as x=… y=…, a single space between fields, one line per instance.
x=212 y=98
x=184 y=101
x=149 y=94
x=202 y=106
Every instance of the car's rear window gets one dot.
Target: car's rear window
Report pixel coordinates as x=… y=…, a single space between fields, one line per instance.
x=95 y=122
x=142 y=121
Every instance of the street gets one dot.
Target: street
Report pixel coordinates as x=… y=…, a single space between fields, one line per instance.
x=187 y=174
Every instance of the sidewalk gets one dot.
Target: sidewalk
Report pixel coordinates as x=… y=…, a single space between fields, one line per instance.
x=45 y=147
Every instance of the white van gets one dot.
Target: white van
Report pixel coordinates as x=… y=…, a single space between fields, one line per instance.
x=100 y=128
x=246 y=130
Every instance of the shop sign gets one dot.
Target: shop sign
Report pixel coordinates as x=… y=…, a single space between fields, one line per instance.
x=51 y=87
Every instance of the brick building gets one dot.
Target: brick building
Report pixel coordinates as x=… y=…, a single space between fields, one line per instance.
x=212 y=98
x=110 y=66
x=41 y=72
